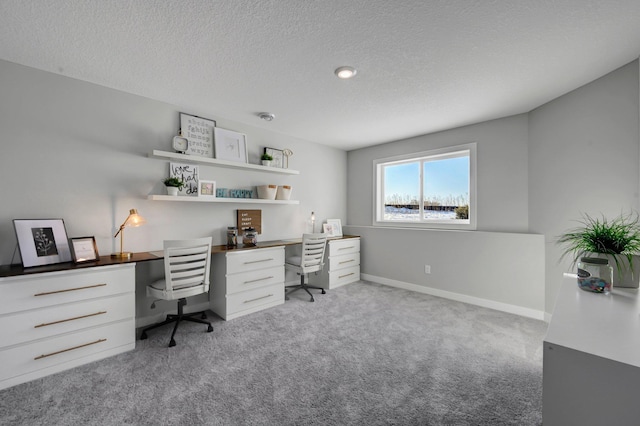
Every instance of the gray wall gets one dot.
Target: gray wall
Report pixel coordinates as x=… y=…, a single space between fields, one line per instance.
x=78 y=151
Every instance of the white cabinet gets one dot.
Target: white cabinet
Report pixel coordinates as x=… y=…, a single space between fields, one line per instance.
x=342 y=264
x=246 y=281
x=53 y=321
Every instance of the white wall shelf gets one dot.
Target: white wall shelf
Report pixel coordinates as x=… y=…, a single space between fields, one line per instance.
x=219 y=200
x=219 y=163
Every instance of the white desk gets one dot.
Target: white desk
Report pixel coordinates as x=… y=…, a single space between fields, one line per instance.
x=591 y=373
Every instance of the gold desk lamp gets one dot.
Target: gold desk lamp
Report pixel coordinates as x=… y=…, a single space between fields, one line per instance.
x=133 y=220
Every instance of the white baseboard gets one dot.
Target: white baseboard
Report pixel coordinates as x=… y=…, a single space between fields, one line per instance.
x=485 y=303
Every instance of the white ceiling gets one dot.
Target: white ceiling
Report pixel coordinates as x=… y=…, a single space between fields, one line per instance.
x=423 y=65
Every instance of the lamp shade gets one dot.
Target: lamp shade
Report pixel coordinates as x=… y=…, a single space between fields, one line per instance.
x=134 y=219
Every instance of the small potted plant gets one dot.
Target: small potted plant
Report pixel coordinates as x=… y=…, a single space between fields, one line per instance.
x=266 y=159
x=173 y=184
x=617 y=240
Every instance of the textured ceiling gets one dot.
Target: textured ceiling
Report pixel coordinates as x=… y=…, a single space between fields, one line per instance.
x=423 y=65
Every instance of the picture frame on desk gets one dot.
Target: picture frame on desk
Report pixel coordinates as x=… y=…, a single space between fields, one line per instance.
x=333 y=228
x=84 y=249
x=42 y=241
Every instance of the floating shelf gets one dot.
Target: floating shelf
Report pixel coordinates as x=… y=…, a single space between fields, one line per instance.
x=219 y=200
x=219 y=163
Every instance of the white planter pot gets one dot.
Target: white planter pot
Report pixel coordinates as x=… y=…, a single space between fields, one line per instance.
x=172 y=190
x=266 y=163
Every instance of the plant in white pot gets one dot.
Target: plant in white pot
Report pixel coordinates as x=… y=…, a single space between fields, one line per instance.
x=173 y=185
x=266 y=159
x=617 y=240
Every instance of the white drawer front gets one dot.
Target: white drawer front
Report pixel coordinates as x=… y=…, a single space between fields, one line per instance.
x=40 y=290
x=344 y=261
x=249 y=299
x=341 y=247
x=254 y=279
x=250 y=260
x=46 y=353
x=43 y=323
x=344 y=276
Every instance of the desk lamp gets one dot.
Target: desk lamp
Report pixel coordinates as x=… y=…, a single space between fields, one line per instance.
x=133 y=220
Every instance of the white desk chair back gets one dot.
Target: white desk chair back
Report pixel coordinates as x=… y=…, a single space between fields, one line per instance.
x=310 y=260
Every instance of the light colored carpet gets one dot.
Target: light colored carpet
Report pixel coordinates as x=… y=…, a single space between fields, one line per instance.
x=363 y=354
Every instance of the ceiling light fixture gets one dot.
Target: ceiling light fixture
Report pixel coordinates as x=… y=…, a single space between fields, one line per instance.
x=345 y=72
x=267 y=116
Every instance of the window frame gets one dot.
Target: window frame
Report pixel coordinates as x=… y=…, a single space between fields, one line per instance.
x=450 y=152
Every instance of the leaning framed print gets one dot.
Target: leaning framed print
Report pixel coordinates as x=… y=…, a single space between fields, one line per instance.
x=278 y=156
x=230 y=145
x=206 y=188
x=83 y=249
x=42 y=241
x=333 y=227
x=198 y=132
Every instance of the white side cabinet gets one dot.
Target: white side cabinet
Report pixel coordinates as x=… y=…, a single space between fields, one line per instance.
x=53 y=321
x=246 y=281
x=341 y=265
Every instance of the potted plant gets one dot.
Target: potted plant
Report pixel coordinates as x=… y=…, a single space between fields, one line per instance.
x=617 y=240
x=173 y=184
x=266 y=159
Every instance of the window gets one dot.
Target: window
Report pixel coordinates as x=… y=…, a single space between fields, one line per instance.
x=433 y=189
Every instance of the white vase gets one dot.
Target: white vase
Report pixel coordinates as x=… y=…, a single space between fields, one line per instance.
x=172 y=190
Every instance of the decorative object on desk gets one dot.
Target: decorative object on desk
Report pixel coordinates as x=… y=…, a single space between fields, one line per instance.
x=249 y=237
x=230 y=145
x=42 y=241
x=333 y=228
x=188 y=174
x=249 y=219
x=206 y=188
x=312 y=219
x=173 y=185
x=266 y=159
x=221 y=192
x=267 y=192
x=595 y=275
x=132 y=221
x=180 y=144
x=276 y=155
x=283 y=192
x=617 y=240
x=232 y=236
x=84 y=249
x=199 y=133
x=287 y=153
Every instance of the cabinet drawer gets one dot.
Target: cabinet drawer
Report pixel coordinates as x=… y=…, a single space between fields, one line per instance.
x=250 y=299
x=40 y=290
x=344 y=276
x=250 y=260
x=344 y=261
x=42 y=354
x=340 y=247
x=254 y=279
x=47 y=322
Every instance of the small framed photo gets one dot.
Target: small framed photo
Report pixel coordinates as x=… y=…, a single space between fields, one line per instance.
x=278 y=156
x=206 y=188
x=230 y=145
x=42 y=241
x=84 y=249
x=333 y=228
x=198 y=132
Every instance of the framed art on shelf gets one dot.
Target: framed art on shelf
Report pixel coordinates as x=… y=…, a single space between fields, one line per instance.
x=207 y=188
x=278 y=156
x=198 y=132
x=84 y=249
x=188 y=174
x=230 y=145
x=42 y=241
x=333 y=228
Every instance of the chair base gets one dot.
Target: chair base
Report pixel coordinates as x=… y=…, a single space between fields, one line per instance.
x=303 y=286
x=176 y=318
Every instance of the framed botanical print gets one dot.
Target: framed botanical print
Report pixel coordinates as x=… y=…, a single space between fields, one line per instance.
x=42 y=241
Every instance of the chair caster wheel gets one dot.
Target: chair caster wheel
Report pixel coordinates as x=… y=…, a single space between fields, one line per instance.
x=172 y=343
x=210 y=329
x=324 y=292
x=312 y=300
x=143 y=336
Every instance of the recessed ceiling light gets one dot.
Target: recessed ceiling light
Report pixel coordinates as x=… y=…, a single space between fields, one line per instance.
x=267 y=116
x=345 y=72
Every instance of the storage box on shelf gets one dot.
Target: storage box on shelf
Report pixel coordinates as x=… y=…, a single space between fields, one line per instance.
x=342 y=264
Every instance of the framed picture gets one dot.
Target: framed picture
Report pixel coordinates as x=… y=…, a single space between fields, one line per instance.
x=42 y=241
x=278 y=156
x=188 y=173
x=230 y=145
x=333 y=227
x=83 y=249
x=198 y=132
x=206 y=188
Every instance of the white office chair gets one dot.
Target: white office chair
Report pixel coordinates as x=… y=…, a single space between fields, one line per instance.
x=186 y=273
x=311 y=260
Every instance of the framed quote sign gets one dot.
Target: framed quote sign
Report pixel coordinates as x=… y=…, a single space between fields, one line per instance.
x=199 y=134
x=250 y=219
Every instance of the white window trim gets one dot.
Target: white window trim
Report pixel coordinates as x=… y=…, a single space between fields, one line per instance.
x=378 y=207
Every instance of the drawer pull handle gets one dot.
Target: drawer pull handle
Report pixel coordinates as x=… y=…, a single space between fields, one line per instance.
x=70 y=349
x=258 y=279
x=69 y=319
x=258 y=298
x=346 y=248
x=346 y=261
x=69 y=289
x=346 y=275
x=258 y=261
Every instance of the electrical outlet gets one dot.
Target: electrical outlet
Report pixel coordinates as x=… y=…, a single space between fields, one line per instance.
x=427 y=269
